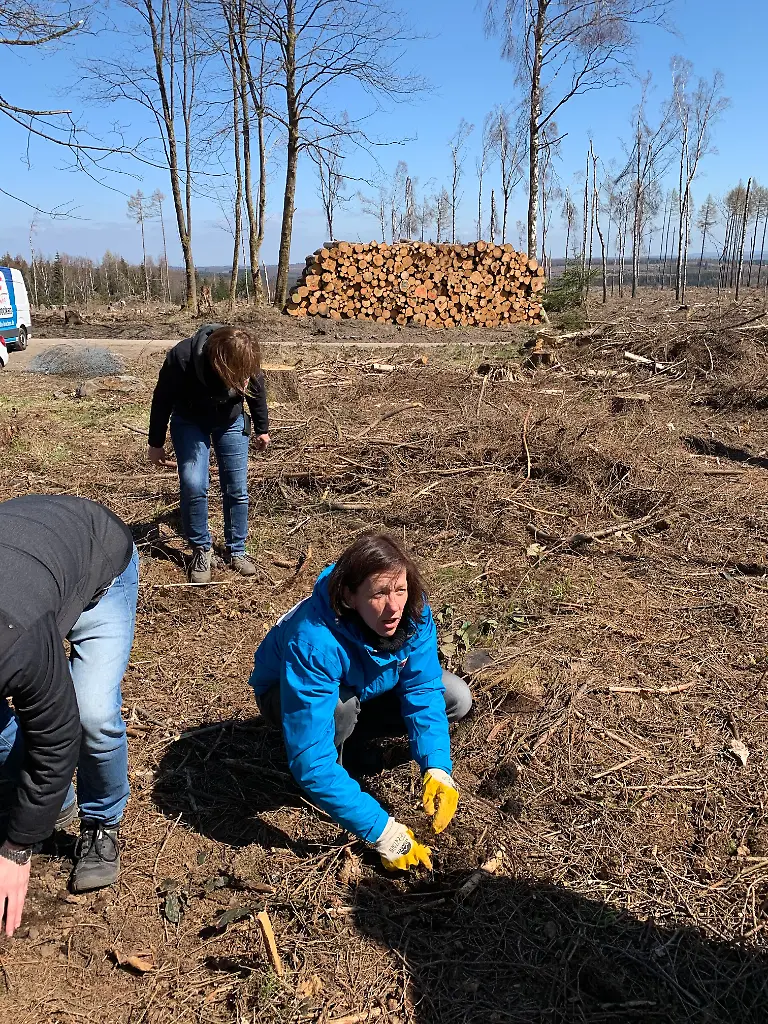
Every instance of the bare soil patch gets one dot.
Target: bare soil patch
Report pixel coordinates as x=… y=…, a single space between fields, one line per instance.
x=599 y=576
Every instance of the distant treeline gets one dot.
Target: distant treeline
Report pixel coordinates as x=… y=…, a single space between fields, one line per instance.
x=76 y=280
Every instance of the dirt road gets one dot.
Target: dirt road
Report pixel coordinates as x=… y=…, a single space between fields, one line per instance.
x=133 y=348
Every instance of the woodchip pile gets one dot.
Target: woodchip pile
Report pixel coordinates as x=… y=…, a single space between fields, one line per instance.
x=477 y=285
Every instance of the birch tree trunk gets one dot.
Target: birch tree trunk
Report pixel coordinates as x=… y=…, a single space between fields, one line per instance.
x=742 y=238
x=533 y=127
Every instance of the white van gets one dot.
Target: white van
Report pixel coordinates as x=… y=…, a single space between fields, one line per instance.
x=15 y=318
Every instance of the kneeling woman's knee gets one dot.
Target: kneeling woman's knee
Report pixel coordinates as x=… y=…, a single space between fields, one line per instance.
x=458 y=697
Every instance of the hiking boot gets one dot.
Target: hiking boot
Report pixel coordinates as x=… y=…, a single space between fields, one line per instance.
x=66 y=816
x=242 y=564
x=200 y=566
x=97 y=857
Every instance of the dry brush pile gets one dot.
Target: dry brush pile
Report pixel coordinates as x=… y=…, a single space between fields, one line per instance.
x=599 y=577
x=479 y=285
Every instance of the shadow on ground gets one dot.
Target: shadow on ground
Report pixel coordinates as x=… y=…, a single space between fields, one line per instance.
x=518 y=951
x=221 y=777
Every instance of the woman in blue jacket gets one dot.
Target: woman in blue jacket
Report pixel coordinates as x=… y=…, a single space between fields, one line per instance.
x=363 y=641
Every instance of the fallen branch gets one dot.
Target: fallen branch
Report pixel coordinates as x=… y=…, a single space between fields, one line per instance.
x=388 y=416
x=651 y=691
x=617 y=767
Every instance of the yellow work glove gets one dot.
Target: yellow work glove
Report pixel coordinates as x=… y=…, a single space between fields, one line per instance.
x=399 y=849
x=441 y=798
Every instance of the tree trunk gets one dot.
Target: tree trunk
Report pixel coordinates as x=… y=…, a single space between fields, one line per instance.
x=479 y=204
x=762 y=248
x=533 y=127
x=292 y=157
x=188 y=99
x=703 y=242
x=236 y=90
x=682 y=200
x=144 y=258
x=637 y=219
x=742 y=238
x=158 y=35
x=584 y=283
x=754 y=243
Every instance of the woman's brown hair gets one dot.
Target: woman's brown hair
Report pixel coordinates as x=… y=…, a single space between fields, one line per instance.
x=234 y=355
x=375 y=553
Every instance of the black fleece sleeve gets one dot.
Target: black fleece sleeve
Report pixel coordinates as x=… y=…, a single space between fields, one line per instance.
x=36 y=675
x=257 y=404
x=163 y=400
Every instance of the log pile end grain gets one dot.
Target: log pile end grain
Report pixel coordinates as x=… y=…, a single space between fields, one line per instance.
x=418 y=283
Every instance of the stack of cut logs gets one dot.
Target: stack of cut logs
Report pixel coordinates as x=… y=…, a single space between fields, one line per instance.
x=478 y=285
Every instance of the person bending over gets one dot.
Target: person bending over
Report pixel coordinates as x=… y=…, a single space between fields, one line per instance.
x=68 y=569
x=201 y=389
x=361 y=654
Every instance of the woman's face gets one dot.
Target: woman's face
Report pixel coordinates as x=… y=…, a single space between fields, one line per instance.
x=380 y=600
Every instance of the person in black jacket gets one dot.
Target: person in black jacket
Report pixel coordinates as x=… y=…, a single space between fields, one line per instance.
x=68 y=569
x=202 y=387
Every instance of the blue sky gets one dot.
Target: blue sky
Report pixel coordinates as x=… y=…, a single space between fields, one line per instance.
x=467 y=78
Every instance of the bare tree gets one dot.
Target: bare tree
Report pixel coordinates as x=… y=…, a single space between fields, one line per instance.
x=696 y=111
x=707 y=219
x=322 y=45
x=160 y=71
x=562 y=49
x=376 y=206
x=140 y=209
x=760 y=195
x=425 y=214
x=481 y=165
x=568 y=213
x=596 y=219
x=396 y=200
x=506 y=144
x=648 y=158
x=457 y=145
x=742 y=237
x=246 y=25
x=328 y=160
x=443 y=210
x=549 y=188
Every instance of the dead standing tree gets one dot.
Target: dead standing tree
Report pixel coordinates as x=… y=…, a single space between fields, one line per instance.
x=321 y=44
x=584 y=45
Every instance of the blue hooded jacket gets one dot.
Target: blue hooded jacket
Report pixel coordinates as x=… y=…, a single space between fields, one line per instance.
x=310 y=653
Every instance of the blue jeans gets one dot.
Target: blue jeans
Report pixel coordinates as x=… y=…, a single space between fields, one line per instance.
x=193 y=455
x=100 y=645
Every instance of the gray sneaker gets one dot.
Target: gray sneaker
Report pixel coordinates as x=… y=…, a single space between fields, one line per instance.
x=97 y=857
x=200 y=567
x=243 y=564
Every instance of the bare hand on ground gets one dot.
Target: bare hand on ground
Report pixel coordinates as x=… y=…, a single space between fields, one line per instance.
x=14 y=879
x=158 y=457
